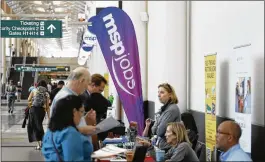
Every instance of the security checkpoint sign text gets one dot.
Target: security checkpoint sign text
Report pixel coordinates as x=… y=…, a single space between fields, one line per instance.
x=31 y=28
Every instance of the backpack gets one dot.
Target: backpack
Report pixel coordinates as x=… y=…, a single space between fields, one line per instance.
x=40 y=97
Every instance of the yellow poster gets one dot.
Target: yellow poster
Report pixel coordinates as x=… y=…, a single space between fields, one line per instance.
x=106 y=90
x=210 y=104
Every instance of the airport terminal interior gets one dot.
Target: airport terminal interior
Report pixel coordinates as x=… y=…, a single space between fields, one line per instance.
x=156 y=66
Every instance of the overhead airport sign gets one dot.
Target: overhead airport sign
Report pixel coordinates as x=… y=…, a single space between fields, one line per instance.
x=31 y=68
x=31 y=28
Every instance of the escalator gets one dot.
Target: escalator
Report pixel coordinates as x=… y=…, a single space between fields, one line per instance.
x=28 y=78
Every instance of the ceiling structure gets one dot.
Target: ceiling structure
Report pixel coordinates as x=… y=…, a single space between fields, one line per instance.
x=67 y=11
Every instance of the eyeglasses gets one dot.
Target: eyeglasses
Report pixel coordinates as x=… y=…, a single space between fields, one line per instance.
x=219 y=132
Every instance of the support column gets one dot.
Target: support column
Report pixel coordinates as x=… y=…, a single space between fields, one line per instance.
x=18 y=46
x=14 y=43
x=167 y=46
x=36 y=49
x=3 y=64
x=7 y=43
x=10 y=46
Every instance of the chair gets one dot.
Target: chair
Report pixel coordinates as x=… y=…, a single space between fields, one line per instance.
x=139 y=154
x=198 y=149
x=190 y=124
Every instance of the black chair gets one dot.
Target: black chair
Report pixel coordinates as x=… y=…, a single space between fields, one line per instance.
x=139 y=155
x=199 y=150
x=189 y=122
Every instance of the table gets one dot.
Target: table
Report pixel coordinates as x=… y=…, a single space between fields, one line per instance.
x=147 y=159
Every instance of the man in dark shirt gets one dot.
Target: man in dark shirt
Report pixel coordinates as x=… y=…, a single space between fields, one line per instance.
x=93 y=99
x=56 y=90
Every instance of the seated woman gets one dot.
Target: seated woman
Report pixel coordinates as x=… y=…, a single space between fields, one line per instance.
x=62 y=141
x=191 y=128
x=176 y=136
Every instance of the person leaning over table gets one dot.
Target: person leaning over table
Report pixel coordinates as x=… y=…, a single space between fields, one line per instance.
x=78 y=81
x=169 y=112
x=177 y=138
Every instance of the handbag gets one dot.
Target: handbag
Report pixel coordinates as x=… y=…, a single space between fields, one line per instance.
x=26 y=112
x=58 y=155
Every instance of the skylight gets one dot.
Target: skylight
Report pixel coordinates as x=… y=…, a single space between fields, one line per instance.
x=59 y=9
x=57 y=2
x=40 y=9
x=37 y=2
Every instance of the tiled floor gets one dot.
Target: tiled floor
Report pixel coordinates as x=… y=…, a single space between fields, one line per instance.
x=14 y=140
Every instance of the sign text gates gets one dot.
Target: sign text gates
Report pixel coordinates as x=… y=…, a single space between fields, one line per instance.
x=31 y=29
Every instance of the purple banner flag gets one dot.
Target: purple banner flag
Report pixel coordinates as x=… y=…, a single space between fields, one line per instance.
x=116 y=36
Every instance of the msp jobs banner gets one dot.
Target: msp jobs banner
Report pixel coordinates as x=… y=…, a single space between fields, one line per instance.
x=116 y=36
x=210 y=104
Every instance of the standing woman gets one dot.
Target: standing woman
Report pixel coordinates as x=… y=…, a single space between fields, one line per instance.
x=169 y=112
x=39 y=105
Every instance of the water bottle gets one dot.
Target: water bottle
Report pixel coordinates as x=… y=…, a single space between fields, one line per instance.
x=160 y=155
x=111 y=99
x=153 y=140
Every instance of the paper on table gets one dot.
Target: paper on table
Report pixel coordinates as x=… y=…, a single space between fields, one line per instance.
x=106 y=125
x=108 y=151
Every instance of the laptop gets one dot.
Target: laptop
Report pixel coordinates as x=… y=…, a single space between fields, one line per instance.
x=139 y=154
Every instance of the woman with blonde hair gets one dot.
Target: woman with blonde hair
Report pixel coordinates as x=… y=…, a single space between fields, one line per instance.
x=177 y=138
x=169 y=112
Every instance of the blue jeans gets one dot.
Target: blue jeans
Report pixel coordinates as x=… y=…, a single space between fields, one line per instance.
x=11 y=101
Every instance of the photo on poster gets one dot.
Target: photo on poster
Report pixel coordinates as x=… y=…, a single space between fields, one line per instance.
x=210 y=98
x=243 y=95
x=208 y=154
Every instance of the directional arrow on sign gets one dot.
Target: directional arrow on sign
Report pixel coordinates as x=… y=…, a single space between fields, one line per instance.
x=51 y=27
